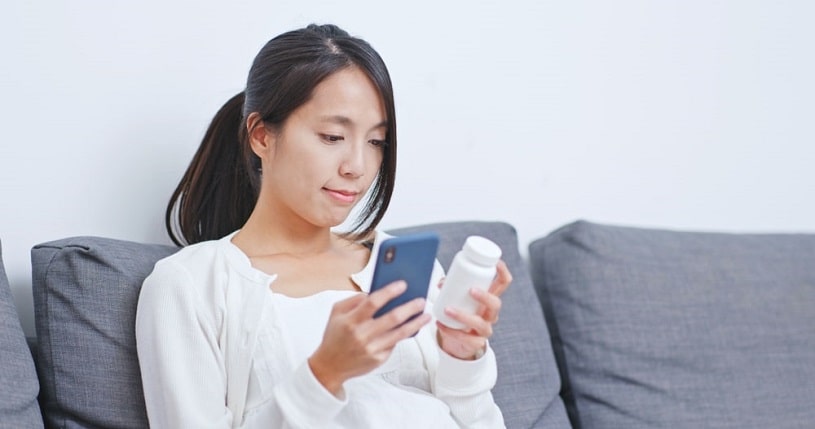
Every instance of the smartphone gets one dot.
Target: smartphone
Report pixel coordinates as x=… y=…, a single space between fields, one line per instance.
x=409 y=258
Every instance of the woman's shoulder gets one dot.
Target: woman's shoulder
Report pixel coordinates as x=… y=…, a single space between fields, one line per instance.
x=181 y=288
x=192 y=254
x=191 y=264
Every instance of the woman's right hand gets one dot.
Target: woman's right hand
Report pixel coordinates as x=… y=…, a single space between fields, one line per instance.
x=354 y=343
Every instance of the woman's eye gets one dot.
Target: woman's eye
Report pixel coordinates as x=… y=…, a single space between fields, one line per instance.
x=332 y=138
x=378 y=142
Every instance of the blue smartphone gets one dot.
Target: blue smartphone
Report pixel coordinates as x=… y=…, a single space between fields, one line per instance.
x=409 y=258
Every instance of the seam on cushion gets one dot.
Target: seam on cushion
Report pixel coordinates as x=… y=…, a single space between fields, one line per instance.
x=548 y=407
x=47 y=299
x=540 y=416
x=59 y=249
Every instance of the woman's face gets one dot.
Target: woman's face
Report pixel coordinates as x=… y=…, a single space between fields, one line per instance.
x=322 y=161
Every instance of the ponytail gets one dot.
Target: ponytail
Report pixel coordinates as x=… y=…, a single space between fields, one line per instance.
x=220 y=187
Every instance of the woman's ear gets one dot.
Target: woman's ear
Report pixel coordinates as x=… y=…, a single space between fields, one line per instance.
x=261 y=135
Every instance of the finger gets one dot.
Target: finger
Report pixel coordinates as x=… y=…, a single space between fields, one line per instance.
x=489 y=304
x=460 y=335
x=473 y=322
x=389 y=339
x=502 y=279
x=460 y=343
x=379 y=298
x=396 y=317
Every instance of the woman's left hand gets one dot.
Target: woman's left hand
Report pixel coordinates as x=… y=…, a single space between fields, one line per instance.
x=470 y=342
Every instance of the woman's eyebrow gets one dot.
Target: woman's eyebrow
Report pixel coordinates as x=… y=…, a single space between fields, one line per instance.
x=337 y=119
x=346 y=121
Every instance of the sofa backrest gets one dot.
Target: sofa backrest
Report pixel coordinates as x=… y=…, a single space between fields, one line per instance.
x=680 y=329
x=18 y=379
x=85 y=295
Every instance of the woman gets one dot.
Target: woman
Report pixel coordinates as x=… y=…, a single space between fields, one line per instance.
x=264 y=320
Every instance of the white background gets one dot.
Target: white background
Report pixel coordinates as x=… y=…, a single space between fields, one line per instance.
x=676 y=114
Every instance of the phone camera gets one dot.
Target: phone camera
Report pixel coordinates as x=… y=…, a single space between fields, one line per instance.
x=390 y=253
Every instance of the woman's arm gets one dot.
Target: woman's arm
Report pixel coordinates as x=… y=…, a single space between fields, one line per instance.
x=182 y=365
x=466 y=369
x=465 y=386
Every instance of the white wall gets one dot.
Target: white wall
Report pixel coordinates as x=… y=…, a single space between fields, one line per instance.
x=682 y=114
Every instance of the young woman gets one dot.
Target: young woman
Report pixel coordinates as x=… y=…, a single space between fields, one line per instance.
x=264 y=320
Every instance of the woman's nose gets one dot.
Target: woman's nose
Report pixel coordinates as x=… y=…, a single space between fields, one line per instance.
x=353 y=164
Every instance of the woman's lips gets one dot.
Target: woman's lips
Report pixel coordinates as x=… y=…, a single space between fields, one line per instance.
x=342 y=196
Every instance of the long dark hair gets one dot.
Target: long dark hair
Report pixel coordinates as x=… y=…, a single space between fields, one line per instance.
x=221 y=185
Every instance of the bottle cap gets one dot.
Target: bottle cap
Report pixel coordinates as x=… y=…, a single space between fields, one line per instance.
x=482 y=251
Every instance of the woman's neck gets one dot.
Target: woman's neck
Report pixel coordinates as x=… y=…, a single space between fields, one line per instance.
x=263 y=236
x=305 y=260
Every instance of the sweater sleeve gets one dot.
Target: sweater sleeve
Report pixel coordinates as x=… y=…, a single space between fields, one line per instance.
x=300 y=402
x=465 y=387
x=182 y=364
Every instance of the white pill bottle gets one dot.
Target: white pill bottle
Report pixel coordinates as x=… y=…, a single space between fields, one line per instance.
x=472 y=267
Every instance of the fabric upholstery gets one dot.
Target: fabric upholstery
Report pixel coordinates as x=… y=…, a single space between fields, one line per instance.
x=663 y=329
x=85 y=295
x=18 y=379
x=528 y=380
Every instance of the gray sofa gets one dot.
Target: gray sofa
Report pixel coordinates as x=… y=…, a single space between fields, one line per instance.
x=678 y=329
x=639 y=328
x=18 y=381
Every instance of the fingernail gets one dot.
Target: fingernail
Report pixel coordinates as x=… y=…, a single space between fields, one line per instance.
x=450 y=311
x=476 y=292
x=400 y=285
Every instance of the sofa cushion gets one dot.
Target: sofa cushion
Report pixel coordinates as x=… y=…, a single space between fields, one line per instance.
x=18 y=379
x=528 y=381
x=680 y=329
x=85 y=295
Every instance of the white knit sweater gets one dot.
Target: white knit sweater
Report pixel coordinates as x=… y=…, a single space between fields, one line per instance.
x=218 y=349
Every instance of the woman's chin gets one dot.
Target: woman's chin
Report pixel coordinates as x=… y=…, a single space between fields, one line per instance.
x=340 y=223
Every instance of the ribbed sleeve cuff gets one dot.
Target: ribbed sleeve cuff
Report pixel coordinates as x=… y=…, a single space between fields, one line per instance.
x=466 y=377
x=305 y=402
